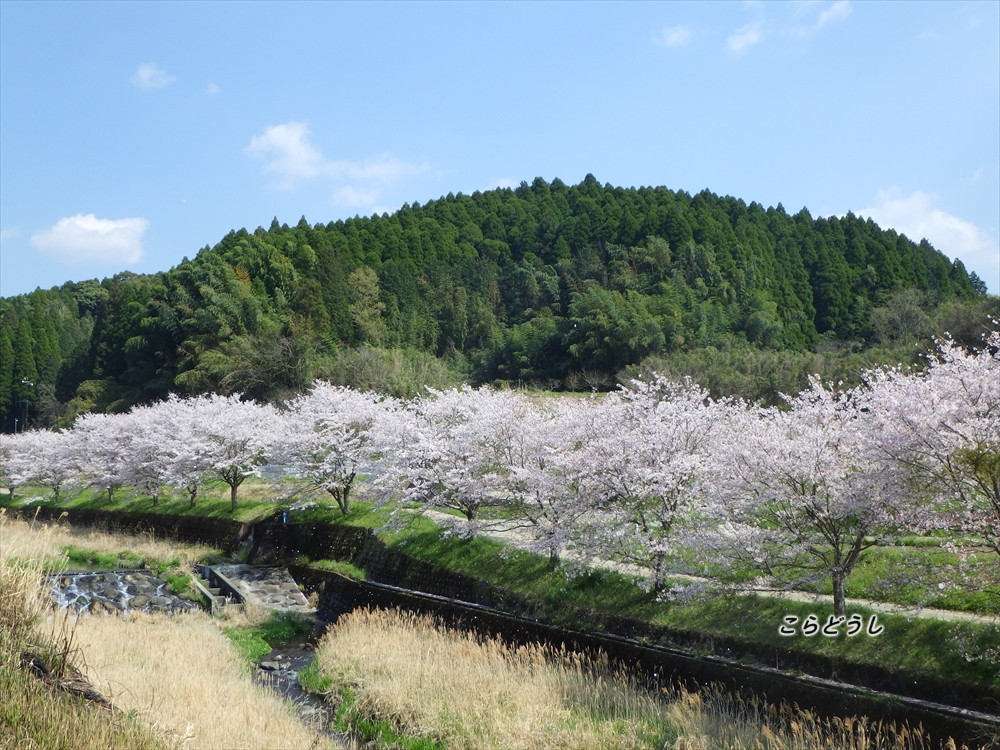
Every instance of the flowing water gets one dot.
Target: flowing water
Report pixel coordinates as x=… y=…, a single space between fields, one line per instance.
x=113 y=591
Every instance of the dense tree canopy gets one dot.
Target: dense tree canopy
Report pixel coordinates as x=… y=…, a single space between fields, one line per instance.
x=546 y=282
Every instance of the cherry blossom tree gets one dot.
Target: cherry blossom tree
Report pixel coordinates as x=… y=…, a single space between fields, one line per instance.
x=449 y=456
x=650 y=462
x=157 y=447
x=542 y=469
x=103 y=450
x=191 y=459
x=944 y=426
x=327 y=437
x=8 y=463
x=234 y=437
x=47 y=459
x=211 y=435
x=807 y=490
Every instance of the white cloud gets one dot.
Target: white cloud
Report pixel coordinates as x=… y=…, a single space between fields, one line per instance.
x=151 y=76
x=836 y=12
x=828 y=13
x=916 y=216
x=9 y=233
x=291 y=156
x=213 y=89
x=502 y=182
x=85 y=238
x=674 y=36
x=351 y=195
x=745 y=37
x=382 y=168
x=800 y=19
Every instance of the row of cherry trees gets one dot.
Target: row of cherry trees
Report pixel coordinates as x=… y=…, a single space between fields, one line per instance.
x=657 y=474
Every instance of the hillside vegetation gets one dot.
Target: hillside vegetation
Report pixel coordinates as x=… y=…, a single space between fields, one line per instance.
x=561 y=286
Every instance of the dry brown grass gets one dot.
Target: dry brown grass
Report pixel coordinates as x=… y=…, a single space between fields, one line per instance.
x=36 y=540
x=182 y=676
x=34 y=713
x=176 y=681
x=714 y=719
x=444 y=684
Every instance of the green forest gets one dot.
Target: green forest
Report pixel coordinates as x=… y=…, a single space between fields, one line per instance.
x=547 y=285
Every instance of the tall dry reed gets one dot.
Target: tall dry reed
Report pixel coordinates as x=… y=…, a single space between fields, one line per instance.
x=182 y=675
x=436 y=682
x=42 y=704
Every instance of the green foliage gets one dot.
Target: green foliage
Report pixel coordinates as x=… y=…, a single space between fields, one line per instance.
x=255 y=643
x=313 y=681
x=99 y=560
x=179 y=583
x=248 y=643
x=348 y=718
x=403 y=373
x=734 y=368
x=213 y=502
x=283 y=626
x=337 y=566
x=555 y=284
x=923 y=645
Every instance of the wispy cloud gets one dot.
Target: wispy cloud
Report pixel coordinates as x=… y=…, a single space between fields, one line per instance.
x=85 y=238
x=836 y=12
x=151 y=76
x=213 y=89
x=916 y=216
x=821 y=15
x=289 y=155
x=354 y=196
x=789 y=20
x=674 y=36
x=502 y=182
x=382 y=168
x=291 y=158
x=9 y=233
x=745 y=37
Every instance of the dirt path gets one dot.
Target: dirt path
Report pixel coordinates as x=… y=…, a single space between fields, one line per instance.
x=520 y=537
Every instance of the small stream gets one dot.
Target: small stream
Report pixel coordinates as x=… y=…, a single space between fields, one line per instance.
x=279 y=670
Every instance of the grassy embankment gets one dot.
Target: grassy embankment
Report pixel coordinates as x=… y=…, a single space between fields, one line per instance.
x=43 y=706
x=256 y=500
x=913 y=643
x=960 y=650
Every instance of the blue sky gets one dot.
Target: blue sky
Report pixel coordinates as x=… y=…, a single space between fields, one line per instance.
x=134 y=134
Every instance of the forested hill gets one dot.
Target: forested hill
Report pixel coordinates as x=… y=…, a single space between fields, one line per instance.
x=546 y=282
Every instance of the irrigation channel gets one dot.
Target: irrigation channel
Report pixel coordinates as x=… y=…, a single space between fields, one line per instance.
x=963 y=712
